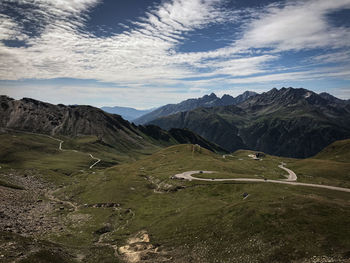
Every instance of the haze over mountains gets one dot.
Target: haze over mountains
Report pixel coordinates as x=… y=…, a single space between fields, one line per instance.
x=126 y=112
x=286 y=122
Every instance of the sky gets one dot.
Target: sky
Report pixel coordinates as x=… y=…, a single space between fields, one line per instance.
x=147 y=53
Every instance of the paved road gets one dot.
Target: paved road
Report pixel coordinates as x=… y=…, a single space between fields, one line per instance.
x=188 y=176
x=292 y=177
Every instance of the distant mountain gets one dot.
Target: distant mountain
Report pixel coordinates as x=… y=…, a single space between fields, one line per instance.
x=286 y=122
x=206 y=101
x=126 y=112
x=71 y=121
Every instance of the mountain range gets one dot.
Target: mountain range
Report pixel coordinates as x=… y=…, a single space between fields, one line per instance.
x=126 y=112
x=206 y=101
x=73 y=121
x=287 y=122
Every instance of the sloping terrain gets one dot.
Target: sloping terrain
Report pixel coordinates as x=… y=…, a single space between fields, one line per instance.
x=331 y=165
x=206 y=101
x=287 y=122
x=62 y=211
x=337 y=151
x=74 y=121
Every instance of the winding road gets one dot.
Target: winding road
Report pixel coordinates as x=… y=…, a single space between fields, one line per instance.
x=290 y=181
x=292 y=177
x=60 y=145
x=60 y=149
x=98 y=160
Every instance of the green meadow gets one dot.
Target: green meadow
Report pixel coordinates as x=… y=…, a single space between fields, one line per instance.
x=189 y=221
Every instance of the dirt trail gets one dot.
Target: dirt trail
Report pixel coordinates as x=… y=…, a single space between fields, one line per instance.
x=51 y=197
x=60 y=146
x=92 y=157
x=60 y=149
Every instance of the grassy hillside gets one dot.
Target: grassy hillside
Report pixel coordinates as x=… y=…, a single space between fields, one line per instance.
x=331 y=166
x=185 y=221
x=26 y=151
x=210 y=222
x=338 y=151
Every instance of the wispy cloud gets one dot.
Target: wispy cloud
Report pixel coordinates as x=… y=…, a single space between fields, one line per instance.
x=143 y=54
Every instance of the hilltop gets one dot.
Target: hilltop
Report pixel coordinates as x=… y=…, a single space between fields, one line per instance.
x=337 y=151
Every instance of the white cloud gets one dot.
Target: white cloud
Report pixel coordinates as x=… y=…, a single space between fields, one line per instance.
x=297 y=25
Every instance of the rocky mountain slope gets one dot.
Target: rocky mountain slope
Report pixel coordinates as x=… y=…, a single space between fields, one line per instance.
x=286 y=122
x=127 y=113
x=72 y=121
x=206 y=101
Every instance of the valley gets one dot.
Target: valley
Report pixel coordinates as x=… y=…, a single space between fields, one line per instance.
x=174 y=131
x=136 y=212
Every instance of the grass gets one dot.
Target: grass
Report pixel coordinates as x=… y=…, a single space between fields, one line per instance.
x=331 y=166
x=200 y=221
x=210 y=221
x=337 y=151
x=27 y=151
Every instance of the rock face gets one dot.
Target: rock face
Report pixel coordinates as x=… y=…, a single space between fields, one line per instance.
x=287 y=122
x=39 y=117
x=206 y=101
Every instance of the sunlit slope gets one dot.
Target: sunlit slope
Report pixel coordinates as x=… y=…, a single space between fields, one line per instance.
x=330 y=166
x=209 y=221
x=25 y=151
x=337 y=151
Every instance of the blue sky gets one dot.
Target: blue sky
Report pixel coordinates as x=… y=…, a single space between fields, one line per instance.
x=146 y=53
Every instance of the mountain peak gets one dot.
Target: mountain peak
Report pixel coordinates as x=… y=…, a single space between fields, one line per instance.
x=206 y=101
x=212 y=96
